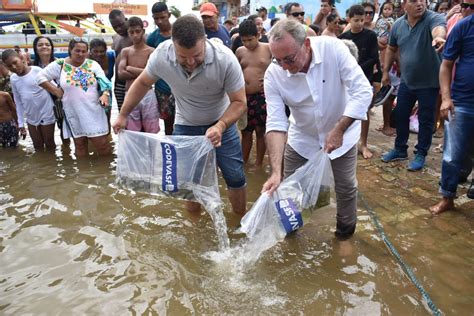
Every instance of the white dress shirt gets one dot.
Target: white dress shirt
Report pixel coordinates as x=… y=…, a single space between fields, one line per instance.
x=334 y=86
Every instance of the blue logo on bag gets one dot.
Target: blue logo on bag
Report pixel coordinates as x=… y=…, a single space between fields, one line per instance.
x=169 y=176
x=290 y=216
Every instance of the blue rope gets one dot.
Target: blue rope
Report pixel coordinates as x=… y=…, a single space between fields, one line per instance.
x=408 y=271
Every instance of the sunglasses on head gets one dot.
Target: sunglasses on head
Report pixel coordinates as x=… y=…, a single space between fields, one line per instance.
x=467 y=5
x=369 y=12
x=296 y=14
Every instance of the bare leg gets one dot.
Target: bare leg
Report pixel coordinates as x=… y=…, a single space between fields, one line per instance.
x=387 y=113
x=193 y=207
x=169 y=122
x=445 y=204
x=36 y=137
x=48 y=135
x=238 y=200
x=364 y=133
x=102 y=144
x=247 y=142
x=80 y=144
x=261 y=147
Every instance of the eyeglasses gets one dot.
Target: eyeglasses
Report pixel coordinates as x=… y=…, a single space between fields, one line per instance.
x=296 y=14
x=288 y=60
x=467 y=5
x=342 y=22
x=369 y=13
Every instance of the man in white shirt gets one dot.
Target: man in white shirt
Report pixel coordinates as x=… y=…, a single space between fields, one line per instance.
x=328 y=94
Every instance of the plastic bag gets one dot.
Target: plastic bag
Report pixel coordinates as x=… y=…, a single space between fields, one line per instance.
x=178 y=166
x=414 y=125
x=303 y=188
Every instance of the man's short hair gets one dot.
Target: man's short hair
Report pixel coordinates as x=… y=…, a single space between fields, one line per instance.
x=288 y=26
x=356 y=9
x=229 y=21
x=9 y=53
x=262 y=9
x=187 y=30
x=248 y=28
x=159 y=7
x=115 y=13
x=135 y=21
x=290 y=5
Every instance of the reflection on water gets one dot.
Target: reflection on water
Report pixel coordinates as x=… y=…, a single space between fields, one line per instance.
x=72 y=242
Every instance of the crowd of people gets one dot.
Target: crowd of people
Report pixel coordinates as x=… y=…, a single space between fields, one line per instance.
x=300 y=88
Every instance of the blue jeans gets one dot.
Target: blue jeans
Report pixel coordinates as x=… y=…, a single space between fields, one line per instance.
x=426 y=115
x=458 y=143
x=228 y=155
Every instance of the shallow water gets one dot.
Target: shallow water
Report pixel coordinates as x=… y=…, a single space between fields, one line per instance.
x=71 y=242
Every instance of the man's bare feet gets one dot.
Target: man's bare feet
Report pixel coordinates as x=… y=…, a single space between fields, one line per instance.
x=445 y=204
x=365 y=152
x=388 y=131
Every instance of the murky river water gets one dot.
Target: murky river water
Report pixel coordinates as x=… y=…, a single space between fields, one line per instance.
x=71 y=242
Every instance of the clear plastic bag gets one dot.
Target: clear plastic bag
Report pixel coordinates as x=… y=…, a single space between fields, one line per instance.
x=178 y=166
x=297 y=193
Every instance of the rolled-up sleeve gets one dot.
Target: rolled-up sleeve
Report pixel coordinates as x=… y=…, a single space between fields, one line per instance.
x=357 y=85
x=49 y=73
x=276 y=116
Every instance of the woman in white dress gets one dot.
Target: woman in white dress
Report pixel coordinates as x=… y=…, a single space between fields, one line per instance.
x=85 y=92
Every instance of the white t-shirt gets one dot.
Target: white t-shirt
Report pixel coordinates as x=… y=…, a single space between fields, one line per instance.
x=31 y=100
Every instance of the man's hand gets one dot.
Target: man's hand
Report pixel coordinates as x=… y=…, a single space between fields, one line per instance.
x=214 y=133
x=271 y=184
x=385 y=79
x=447 y=106
x=334 y=140
x=104 y=100
x=119 y=124
x=438 y=44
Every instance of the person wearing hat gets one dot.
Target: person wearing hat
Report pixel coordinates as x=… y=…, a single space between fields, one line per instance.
x=263 y=13
x=210 y=15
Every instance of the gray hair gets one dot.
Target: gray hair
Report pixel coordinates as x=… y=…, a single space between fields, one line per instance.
x=288 y=26
x=352 y=48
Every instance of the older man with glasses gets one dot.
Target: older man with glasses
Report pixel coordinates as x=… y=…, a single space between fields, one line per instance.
x=328 y=94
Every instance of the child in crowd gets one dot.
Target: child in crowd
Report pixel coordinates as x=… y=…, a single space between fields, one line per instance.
x=254 y=58
x=366 y=42
x=145 y=117
x=8 y=121
x=383 y=27
x=31 y=100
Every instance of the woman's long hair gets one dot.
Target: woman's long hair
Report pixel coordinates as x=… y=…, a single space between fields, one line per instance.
x=37 y=60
